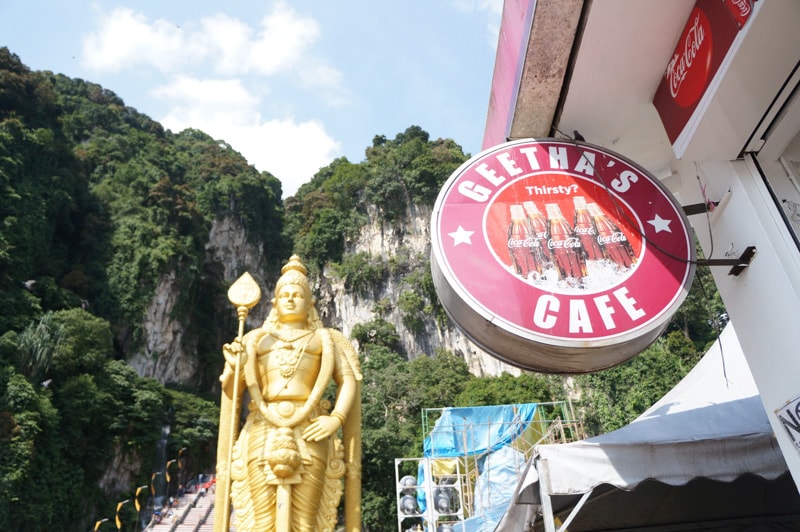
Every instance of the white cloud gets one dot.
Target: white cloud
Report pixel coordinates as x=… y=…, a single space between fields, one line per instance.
x=126 y=39
x=226 y=40
x=292 y=151
x=282 y=41
x=240 y=56
x=224 y=97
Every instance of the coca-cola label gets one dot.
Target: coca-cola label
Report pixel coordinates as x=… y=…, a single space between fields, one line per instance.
x=687 y=72
x=613 y=237
x=522 y=243
x=706 y=38
x=570 y=297
x=568 y=243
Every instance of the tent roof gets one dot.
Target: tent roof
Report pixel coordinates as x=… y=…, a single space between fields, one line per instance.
x=711 y=426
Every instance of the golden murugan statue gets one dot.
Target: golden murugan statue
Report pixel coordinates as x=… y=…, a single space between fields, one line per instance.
x=284 y=471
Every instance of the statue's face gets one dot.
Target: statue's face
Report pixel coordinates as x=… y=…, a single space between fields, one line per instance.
x=291 y=302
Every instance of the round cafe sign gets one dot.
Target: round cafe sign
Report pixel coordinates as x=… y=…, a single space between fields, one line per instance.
x=559 y=256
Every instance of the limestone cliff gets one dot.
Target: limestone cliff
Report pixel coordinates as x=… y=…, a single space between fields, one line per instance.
x=407 y=241
x=165 y=354
x=168 y=353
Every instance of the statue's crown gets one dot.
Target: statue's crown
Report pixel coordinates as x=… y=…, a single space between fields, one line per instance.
x=294 y=272
x=294 y=264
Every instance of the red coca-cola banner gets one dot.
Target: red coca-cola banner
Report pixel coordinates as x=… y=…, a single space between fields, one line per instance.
x=704 y=43
x=559 y=256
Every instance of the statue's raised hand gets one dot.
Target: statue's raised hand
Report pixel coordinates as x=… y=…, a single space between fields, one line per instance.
x=232 y=352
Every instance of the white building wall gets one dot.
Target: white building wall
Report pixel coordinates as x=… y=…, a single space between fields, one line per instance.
x=763 y=302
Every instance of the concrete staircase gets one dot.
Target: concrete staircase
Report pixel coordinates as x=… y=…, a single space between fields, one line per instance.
x=195 y=513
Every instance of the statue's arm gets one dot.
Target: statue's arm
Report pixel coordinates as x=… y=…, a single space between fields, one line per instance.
x=323 y=426
x=347 y=373
x=344 y=374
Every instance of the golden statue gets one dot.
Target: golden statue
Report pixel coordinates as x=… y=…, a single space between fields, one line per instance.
x=284 y=472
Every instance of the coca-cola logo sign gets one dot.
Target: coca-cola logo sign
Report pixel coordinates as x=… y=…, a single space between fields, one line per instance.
x=704 y=43
x=688 y=70
x=559 y=256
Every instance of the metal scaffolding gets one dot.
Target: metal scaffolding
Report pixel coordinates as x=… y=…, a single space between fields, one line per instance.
x=442 y=492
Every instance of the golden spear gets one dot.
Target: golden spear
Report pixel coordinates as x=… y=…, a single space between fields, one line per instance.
x=244 y=294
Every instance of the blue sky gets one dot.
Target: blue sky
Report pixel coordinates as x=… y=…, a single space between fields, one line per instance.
x=290 y=85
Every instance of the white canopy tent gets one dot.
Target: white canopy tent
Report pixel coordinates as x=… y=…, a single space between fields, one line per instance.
x=702 y=458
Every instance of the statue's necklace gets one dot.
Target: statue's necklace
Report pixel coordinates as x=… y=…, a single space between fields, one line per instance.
x=289 y=361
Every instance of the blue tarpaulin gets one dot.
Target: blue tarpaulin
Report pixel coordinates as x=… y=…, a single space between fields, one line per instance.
x=478 y=431
x=467 y=431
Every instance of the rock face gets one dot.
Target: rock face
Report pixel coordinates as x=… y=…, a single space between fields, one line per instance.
x=164 y=355
x=168 y=353
x=410 y=240
x=121 y=471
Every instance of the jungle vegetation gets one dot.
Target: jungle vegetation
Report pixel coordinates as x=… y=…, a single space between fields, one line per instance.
x=97 y=201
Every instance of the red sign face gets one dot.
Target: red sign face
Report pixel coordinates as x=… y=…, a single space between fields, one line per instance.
x=708 y=35
x=559 y=244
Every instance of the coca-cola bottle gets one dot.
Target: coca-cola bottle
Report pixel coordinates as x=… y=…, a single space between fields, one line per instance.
x=565 y=247
x=585 y=230
x=538 y=224
x=520 y=244
x=616 y=246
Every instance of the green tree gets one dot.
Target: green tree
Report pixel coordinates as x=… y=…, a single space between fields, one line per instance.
x=85 y=343
x=702 y=314
x=387 y=432
x=194 y=427
x=508 y=389
x=36 y=345
x=412 y=305
x=438 y=380
x=616 y=396
x=397 y=174
x=63 y=431
x=362 y=273
x=29 y=456
x=394 y=394
x=376 y=333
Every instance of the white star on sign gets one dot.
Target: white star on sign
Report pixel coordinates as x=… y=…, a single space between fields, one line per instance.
x=660 y=224
x=461 y=236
